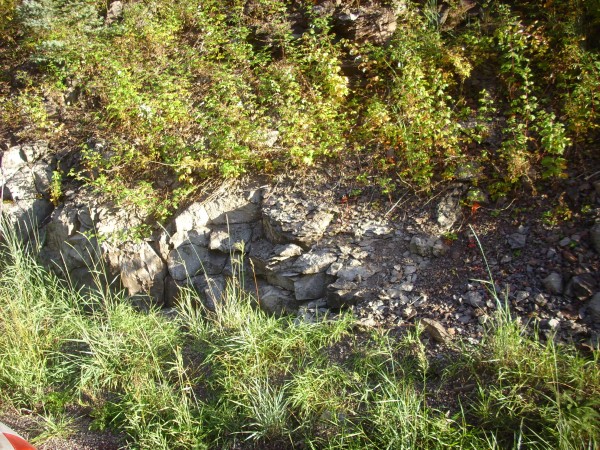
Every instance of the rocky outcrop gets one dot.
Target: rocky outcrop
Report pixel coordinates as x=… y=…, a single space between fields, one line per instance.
x=284 y=241
x=86 y=241
x=304 y=252
x=25 y=177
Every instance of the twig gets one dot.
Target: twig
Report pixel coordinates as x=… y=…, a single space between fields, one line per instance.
x=395 y=205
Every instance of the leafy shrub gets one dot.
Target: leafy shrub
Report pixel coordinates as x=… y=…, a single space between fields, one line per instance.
x=191 y=91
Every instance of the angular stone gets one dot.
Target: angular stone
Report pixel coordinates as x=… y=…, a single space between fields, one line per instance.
x=517 y=240
x=582 y=286
x=421 y=246
x=475 y=299
x=436 y=330
x=232 y=208
x=342 y=293
x=287 y=251
x=199 y=236
x=288 y=220
x=310 y=287
x=235 y=237
x=276 y=301
x=553 y=283
x=210 y=289
x=353 y=270
x=26 y=216
x=141 y=270
x=115 y=12
x=366 y=24
x=172 y=290
x=188 y=260
x=449 y=210
x=283 y=280
x=314 y=262
x=193 y=217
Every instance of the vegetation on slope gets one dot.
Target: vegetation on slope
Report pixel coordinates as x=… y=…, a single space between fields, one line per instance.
x=238 y=378
x=173 y=92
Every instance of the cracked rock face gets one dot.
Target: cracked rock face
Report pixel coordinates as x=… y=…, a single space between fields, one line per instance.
x=292 y=220
x=141 y=270
x=25 y=177
x=301 y=253
x=81 y=237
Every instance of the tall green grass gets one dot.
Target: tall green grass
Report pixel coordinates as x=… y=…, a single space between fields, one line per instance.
x=236 y=377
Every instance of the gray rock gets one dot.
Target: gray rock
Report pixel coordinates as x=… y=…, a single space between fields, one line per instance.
x=270 y=138
x=141 y=270
x=282 y=280
x=235 y=237
x=231 y=208
x=314 y=262
x=449 y=210
x=25 y=216
x=276 y=301
x=364 y=23
x=211 y=289
x=520 y=296
x=593 y=308
x=288 y=220
x=553 y=283
x=310 y=287
x=375 y=229
x=188 y=260
x=582 y=286
x=409 y=312
x=353 y=270
x=565 y=241
x=409 y=270
x=172 y=290
x=69 y=243
x=115 y=12
x=198 y=236
x=335 y=268
x=540 y=299
x=193 y=217
x=26 y=177
x=287 y=251
x=342 y=293
x=436 y=330
x=421 y=246
x=595 y=236
x=517 y=240
x=439 y=248
x=475 y=299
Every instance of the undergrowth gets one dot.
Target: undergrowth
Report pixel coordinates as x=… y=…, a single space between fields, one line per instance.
x=236 y=377
x=170 y=94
